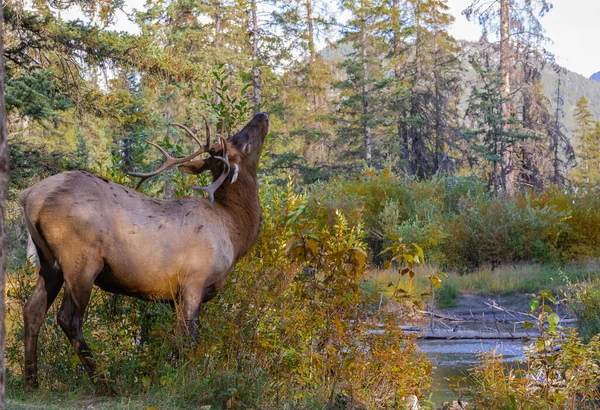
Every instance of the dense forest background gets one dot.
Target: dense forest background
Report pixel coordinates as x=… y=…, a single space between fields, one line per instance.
x=395 y=90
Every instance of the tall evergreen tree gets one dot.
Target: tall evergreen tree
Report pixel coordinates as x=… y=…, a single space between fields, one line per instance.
x=361 y=90
x=489 y=136
x=561 y=151
x=520 y=34
x=424 y=60
x=587 y=170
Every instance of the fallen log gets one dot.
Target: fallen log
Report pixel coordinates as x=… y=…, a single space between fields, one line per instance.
x=448 y=335
x=443 y=317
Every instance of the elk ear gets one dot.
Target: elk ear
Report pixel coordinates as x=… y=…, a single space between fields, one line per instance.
x=193 y=167
x=247 y=148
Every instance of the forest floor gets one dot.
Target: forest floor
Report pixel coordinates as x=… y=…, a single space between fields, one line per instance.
x=90 y=401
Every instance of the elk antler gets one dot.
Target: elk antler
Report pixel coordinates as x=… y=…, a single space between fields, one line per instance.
x=211 y=189
x=171 y=161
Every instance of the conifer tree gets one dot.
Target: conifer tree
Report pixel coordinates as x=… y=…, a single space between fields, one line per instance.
x=361 y=91
x=561 y=151
x=520 y=35
x=426 y=85
x=586 y=135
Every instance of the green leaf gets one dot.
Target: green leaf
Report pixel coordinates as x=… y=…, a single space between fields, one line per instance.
x=419 y=251
x=553 y=320
x=533 y=305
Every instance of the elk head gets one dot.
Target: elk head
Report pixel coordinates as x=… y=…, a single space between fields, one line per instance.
x=240 y=152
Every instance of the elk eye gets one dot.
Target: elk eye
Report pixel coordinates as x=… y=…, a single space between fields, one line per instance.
x=247 y=148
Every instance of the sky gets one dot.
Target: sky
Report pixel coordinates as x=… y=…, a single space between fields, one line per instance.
x=572 y=25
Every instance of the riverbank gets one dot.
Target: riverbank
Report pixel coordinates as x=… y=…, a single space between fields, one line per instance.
x=454 y=338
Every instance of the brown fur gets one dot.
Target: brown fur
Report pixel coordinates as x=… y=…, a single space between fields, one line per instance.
x=88 y=231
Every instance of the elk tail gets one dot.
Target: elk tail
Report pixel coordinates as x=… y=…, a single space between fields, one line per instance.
x=35 y=240
x=31 y=251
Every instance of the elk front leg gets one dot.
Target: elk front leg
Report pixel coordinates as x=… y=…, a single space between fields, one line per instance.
x=46 y=289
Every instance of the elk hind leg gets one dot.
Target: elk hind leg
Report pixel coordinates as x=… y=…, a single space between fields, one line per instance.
x=191 y=301
x=78 y=288
x=50 y=280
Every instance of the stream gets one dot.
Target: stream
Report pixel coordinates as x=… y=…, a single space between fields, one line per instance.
x=452 y=359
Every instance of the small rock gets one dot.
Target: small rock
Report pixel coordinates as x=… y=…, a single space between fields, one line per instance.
x=456 y=405
x=344 y=401
x=412 y=402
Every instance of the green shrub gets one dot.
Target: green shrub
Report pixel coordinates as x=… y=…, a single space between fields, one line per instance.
x=584 y=302
x=560 y=372
x=461 y=225
x=291 y=328
x=446 y=296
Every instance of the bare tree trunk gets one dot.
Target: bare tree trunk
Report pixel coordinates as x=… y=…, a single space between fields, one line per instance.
x=217 y=39
x=310 y=24
x=4 y=173
x=556 y=133
x=438 y=108
x=365 y=94
x=312 y=54
x=402 y=133
x=256 y=68
x=417 y=159
x=508 y=175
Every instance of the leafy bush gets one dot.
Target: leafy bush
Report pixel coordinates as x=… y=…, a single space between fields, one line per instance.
x=290 y=330
x=447 y=295
x=584 y=302
x=461 y=225
x=561 y=371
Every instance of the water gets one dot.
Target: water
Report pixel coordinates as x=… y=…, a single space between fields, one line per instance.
x=452 y=359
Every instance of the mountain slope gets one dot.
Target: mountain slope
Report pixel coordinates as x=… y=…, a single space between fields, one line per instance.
x=596 y=77
x=573 y=85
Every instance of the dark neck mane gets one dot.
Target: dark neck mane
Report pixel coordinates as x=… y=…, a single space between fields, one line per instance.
x=241 y=203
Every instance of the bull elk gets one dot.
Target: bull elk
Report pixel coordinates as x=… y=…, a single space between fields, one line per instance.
x=88 y=230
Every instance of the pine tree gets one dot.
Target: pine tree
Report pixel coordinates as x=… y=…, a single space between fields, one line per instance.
x=361 y=91
x=520 y=34
x=561 y=151
x=588 y=140
x=489 y=135
x=426 y=85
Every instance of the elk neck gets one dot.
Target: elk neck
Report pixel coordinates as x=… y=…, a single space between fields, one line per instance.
x=241 y=203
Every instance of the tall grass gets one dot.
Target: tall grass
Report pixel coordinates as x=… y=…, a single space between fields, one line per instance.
x=523 y=278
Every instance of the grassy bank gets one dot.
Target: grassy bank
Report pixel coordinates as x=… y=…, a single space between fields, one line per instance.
x=503 y=280
x=79 y=400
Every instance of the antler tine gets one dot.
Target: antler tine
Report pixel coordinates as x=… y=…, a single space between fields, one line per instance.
x=212 y=188
x=170 y=161
x=190 y=133
x=207 y=130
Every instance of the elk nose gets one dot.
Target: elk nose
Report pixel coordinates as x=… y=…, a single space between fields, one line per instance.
x=262 y=116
